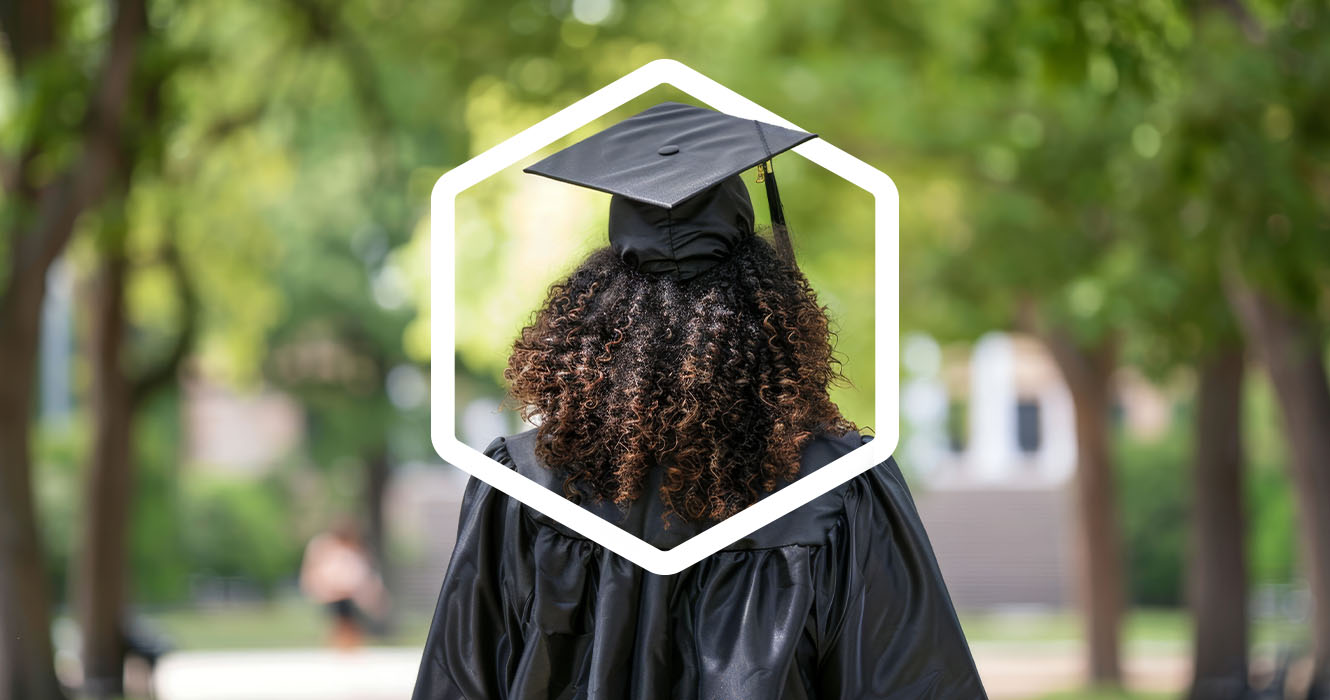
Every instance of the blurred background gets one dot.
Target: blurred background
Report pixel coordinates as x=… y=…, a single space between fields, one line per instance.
x=215 y=473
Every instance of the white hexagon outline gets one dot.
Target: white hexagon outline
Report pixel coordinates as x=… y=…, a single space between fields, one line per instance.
x=443 y=352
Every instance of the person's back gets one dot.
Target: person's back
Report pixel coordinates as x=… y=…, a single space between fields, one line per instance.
x=838 y=599
x=678 y=376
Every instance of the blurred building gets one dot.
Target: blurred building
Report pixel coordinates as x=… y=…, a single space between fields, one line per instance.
x=423 y=505
x=238 y=433
x=990 y=448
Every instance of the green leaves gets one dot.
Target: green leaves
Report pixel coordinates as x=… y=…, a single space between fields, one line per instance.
x=1086 y=159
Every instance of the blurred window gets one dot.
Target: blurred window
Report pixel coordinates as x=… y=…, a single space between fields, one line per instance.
x=958 y=423
x=1028 y=437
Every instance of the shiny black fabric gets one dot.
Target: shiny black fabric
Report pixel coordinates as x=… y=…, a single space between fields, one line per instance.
x=686 y=240
x=667 y=154
x=840 y=599
x=679 y=205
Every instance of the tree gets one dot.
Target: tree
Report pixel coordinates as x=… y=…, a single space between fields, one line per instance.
x=120 y=388
x=1047 y=250
x=42 y=207
x=398 y=113
x=1218 y=572
x=118 y=395
x=1184 y=324
x=1253 y=118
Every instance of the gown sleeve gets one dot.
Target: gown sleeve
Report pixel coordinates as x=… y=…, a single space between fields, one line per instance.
x=889 y=630
x=473 y=631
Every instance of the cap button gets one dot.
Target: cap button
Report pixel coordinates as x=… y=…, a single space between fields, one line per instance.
x=668 y=150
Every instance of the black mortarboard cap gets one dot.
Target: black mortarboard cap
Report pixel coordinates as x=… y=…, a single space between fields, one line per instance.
x=679 y=205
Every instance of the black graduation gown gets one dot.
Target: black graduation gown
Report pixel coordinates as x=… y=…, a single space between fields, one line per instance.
x=840 y=599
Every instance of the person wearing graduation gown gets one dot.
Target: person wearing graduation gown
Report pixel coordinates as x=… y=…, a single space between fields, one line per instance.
x=679 y=375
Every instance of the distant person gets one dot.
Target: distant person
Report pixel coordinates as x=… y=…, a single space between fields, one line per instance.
x=680 y=375
x=338 y=572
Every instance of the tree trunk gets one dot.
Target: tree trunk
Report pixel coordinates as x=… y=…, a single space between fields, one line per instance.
x=1290 y=346
x=377 y=473
x=1088 y=373
x=1218 y=574
x=109 y=482
x=27 y=669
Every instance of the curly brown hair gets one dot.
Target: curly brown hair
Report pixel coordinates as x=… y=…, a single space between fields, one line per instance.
x=721 y=380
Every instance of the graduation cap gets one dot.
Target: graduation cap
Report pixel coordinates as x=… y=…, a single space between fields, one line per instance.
x=679 y=204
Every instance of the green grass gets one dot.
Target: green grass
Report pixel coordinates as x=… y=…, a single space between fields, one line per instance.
x=1146 y=627
x=289 y=623
x=292 y=622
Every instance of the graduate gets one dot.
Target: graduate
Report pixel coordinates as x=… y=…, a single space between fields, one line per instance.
x=679 y=375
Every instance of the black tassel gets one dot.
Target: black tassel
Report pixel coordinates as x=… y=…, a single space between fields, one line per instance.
x=780 y=232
